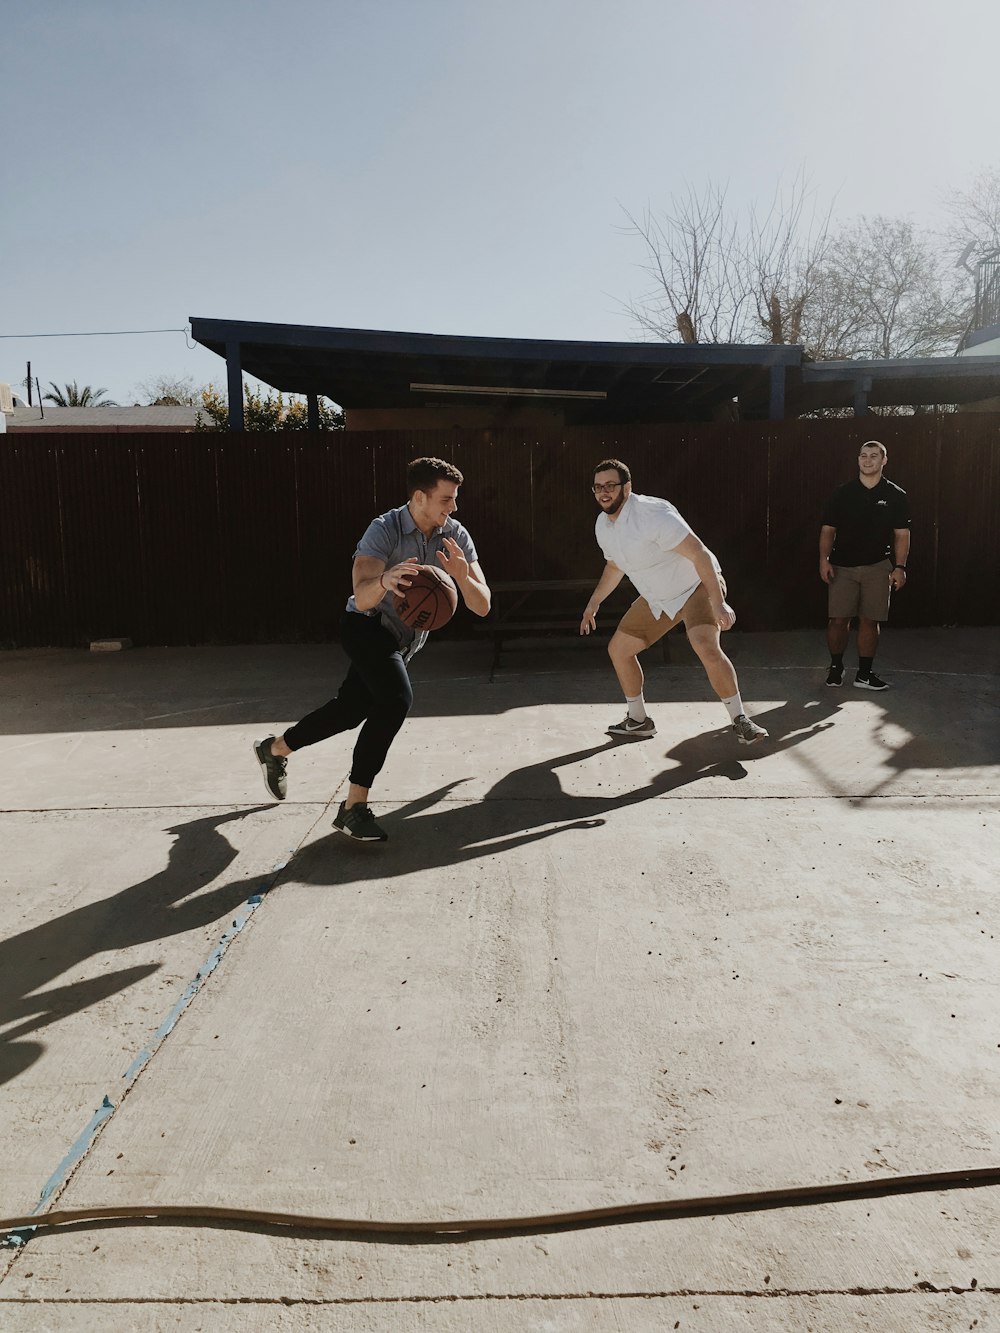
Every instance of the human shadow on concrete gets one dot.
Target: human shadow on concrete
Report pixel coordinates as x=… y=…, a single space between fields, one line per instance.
x=528 y=805
x=942 y=735
x=167 y=903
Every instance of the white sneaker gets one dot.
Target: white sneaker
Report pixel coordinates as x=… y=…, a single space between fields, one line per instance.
x=637 y=731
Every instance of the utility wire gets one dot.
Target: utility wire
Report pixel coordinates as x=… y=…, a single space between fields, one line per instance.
x=94 y=333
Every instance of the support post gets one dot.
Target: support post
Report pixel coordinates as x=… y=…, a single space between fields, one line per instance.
x=312 y=411
x=776 y=408
x=862 y=388
x=234 y=378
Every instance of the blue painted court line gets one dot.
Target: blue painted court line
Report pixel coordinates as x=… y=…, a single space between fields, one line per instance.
x=107 y=1108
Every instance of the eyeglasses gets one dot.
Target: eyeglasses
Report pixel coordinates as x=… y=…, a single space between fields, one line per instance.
x=608 y=487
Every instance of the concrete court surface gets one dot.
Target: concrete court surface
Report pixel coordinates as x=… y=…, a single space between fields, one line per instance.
x=580 y=973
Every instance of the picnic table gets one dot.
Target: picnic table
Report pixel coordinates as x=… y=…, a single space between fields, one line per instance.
x=525 y=607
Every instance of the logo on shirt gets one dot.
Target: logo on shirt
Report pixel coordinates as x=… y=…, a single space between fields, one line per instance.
x=881 y=503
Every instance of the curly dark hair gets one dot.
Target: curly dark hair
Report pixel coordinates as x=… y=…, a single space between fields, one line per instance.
x=423 y=474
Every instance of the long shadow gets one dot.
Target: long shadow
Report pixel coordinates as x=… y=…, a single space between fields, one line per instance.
x=525 y=806
x=529 y=805
x=167 y=903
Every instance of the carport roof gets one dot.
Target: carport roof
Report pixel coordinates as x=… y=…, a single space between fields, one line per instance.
x=375 y=368
x=909 y=381
x=593 y=381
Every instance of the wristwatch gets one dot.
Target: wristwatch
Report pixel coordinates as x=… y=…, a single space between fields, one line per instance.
x=902 y=567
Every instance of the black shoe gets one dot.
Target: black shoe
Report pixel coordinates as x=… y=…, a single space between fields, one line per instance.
x=871 y=682
x=835 y=676
x=359 y=822
x=273 y=767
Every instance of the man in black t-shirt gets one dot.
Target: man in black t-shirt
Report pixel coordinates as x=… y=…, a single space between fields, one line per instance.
x=863 y=545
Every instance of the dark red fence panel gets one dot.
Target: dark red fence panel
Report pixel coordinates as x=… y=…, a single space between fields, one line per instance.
x=966 y=563
x=177 y=539
x=179 y=546
x=32 y=570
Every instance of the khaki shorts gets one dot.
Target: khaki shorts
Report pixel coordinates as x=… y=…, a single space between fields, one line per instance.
x=640 y=622
x=860 y=590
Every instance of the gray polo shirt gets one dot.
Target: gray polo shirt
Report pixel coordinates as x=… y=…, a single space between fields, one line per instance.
x=392 y=538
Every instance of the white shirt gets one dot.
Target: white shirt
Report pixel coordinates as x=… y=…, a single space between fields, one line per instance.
x=641 y=541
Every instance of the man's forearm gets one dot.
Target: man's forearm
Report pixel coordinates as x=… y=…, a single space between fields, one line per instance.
x=901 y=547
x=368 y=593
x=705 y=569
x=476 y=595
x=606 y=584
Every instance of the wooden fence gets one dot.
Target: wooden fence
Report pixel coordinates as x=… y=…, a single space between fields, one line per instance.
x=206 y=538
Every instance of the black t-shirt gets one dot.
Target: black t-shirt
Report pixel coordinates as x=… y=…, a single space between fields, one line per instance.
x=865 y=518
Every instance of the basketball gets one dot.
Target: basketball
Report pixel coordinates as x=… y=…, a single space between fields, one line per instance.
x=430 y=600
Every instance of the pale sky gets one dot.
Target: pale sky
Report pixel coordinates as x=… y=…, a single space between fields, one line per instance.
x=436 y=166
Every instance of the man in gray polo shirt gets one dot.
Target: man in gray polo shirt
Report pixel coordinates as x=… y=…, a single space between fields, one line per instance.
x=376 y=692
x=678 y=579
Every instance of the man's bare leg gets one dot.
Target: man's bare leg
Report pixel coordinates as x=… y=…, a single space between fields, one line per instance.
x=868 y=631
x=722 y=678
x=624 y=650
x=837 y=631
x=356 y=795
x=704 y=639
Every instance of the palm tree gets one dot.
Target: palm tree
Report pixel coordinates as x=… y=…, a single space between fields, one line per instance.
x=72 y=396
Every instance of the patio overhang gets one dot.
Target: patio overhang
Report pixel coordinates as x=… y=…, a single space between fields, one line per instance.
x=590 y=382
x=402 y=380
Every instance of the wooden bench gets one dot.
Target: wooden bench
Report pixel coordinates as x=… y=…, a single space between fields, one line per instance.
x=525 y=607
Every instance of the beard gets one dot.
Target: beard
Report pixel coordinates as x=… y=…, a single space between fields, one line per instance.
x=614 y=508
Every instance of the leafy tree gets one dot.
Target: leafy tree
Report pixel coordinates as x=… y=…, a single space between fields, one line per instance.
x=71 y=395
x=265 y=412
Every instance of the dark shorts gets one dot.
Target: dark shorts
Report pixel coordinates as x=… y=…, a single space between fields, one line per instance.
x=860 y=590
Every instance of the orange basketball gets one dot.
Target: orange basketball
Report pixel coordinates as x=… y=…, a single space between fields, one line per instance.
x=430 y=600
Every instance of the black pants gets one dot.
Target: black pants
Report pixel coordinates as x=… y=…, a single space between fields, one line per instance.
x=376 y=691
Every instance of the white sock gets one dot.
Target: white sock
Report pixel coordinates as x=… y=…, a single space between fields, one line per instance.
x=636 y=708
x=734 y=707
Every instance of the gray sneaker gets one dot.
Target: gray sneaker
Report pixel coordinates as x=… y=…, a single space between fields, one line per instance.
x=359 y=822
x=637 y=731
x=747 y=731
x=273 y=767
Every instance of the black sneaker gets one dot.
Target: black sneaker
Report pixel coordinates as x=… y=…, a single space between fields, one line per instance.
x=835 y=676
x=638 y=731
x=359 y=822
x=871 y=682
x=273 y=767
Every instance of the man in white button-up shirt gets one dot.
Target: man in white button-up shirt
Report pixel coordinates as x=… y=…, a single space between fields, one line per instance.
x=677 y=578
